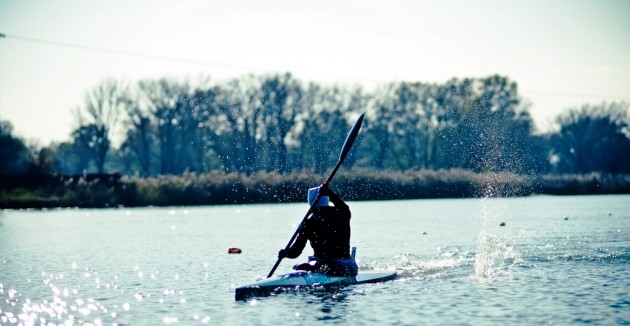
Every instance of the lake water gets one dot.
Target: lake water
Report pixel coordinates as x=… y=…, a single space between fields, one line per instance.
x=557 y=260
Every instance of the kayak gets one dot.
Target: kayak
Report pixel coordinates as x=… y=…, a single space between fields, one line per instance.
x=299 y=280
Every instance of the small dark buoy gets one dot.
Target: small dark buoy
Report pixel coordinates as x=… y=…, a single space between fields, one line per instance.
x=424 y=233
x=234 y=250
x=566 y=218
x=502 y=224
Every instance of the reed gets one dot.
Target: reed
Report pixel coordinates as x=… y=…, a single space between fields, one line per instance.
x=219 y=188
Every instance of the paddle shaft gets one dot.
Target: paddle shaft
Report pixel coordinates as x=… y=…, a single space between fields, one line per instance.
x=342 y=156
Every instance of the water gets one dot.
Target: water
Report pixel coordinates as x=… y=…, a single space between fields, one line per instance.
x=557 y=260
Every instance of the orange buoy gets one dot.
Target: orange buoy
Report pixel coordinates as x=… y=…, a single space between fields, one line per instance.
x=234 y=250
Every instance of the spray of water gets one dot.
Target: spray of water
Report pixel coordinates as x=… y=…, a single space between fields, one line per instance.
x=493 y=251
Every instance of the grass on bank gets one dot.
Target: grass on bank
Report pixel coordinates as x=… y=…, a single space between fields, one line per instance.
x=267 y=187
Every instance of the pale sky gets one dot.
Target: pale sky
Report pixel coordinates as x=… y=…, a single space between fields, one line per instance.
x=562 y=53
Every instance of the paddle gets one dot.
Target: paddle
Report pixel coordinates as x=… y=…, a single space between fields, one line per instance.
x=352 y=135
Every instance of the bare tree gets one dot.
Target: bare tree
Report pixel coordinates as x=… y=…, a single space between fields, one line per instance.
x=102 y=108
x=281 y=96
x=162 y=99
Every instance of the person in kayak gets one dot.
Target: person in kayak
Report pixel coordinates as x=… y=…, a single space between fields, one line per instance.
x=327 y=228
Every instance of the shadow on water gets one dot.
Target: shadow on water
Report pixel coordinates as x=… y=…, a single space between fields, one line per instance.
x=325 y=303
x=332 y=303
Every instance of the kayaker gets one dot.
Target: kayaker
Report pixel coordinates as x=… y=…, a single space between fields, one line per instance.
x=327 y=228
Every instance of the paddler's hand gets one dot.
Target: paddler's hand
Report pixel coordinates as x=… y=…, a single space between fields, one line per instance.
x=282 y=254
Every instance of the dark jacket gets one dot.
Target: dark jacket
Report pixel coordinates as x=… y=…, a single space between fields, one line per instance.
x=328 y=230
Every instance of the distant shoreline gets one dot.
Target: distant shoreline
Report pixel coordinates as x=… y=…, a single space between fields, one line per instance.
x=115 y=190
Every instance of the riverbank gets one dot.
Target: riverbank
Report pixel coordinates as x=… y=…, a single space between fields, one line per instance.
x=114 y=190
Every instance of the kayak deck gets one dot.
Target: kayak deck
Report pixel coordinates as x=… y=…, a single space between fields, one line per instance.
x=302 y=279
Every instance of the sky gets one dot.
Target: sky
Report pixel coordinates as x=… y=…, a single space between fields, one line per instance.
x=562 y=53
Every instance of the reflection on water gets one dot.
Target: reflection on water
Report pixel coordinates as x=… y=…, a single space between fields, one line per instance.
x=82 y=295
x=455 y=264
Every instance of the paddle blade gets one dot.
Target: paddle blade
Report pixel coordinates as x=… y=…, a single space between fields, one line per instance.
x=352 y=135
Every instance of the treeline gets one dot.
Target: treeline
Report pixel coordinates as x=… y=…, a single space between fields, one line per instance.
x=115 y=190
x=267 y=138
x=276 y=123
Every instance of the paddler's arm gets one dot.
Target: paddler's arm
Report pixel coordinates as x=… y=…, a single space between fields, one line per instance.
x=336 y=200
x=295 y=250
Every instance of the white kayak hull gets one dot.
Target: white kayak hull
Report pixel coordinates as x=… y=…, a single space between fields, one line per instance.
x=301 y=279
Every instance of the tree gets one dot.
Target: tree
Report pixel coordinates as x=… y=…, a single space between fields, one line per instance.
x=165 y=101
x=139 y=144
x=320 y=129
x=223 y=120
x=280 y=99
x=485 y=126
x=592 y=138
x=15 y=155
x=377 y=129
x=408 y=126
x=103 y=105
x=446 y=105
x=87 y=143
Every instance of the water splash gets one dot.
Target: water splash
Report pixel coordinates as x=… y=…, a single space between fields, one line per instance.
x=448 y=263
x=493 y=250
x=492 y=253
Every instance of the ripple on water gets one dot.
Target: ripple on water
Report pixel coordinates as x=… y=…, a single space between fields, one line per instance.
x=109 y=267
